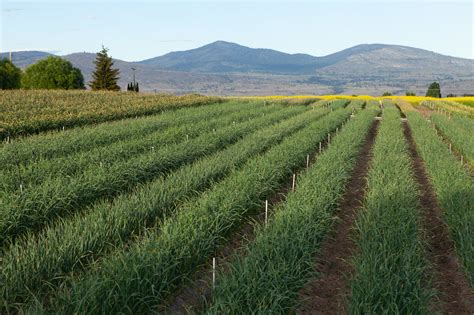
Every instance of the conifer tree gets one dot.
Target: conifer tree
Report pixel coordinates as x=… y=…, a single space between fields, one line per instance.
x=105 y=77
x=136 y=87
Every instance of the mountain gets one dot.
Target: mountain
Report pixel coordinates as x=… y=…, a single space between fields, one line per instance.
x=24 y=58
x=225 y=57
x=231 y=69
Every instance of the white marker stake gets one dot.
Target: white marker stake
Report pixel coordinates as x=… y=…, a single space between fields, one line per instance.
x=213 y=272
x=450 y=148
x=462 y=160
x=21 y=188
x=307 y=161
x=337 y=129
x=152 y=149
x=294 y=182
x=329 y=138
x=63 y=128
x=266 y=212
x=187 y=137
x=320 y=147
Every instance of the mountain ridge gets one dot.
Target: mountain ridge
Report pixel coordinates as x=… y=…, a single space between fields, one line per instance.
x=228 y=68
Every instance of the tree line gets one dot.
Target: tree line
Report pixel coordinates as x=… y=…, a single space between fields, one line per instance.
x=57 y=73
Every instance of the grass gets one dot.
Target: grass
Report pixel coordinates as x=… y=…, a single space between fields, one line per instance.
x=37 y=173
x=55 y=144
x=28 y=111
x=73 y=244
x=153 y=267
x=390 y=267
x=454 y=188
x=60 y=197
x=276 y=265
x=459 y=130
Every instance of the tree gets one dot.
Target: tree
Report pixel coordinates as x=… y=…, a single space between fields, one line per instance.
x=10 y=75
x=105 y=77
x=434 y=90
x=133 y=87
x=387 y=94
x=52 y=73
x=409 y=93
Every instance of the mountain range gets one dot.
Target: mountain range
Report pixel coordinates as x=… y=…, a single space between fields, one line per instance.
x=225 y=68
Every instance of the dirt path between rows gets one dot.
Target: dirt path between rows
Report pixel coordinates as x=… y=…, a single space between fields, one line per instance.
x=193 y=297
x=455 y=295
x=327 y=293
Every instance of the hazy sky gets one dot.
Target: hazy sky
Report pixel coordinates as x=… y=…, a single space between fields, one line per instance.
x=144 y=29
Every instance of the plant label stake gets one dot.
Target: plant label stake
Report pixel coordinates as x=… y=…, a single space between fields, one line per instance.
x=213 y=273
x=152 y=149
x=266 y=212
x=320 y=147
x=462 y=160
x=63 y=128
x=329 y=138
x=293 y=183
x=21 y=188
x=450 y=148
x=307 y=161
x=187 y=137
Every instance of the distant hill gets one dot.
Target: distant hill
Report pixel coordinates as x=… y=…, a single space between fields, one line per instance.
x=24 y=58
x=225 y=57
x=228 y=68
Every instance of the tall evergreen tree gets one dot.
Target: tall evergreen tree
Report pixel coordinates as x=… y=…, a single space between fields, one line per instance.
x=434 y=90
x=136 y=87
x=105 y=77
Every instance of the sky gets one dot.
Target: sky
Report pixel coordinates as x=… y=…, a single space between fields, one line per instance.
x=137 y=30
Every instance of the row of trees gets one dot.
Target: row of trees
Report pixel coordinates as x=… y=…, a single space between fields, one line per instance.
x=434 y=90
x=58 y=73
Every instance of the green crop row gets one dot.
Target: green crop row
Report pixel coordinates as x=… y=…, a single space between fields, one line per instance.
x=62 y=196
x=56 y=144
x=70 y=245
x=460 y=132
x=29 y=111
x=149 y=270
x=454 y=188
x=39 y=173
x=390 y=265
x=276 y=265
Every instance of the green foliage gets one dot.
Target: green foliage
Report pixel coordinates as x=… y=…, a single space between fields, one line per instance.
x=52 y=73
x=453 y=185
x=55 y=190
x=10 y=75
x=410 y=93
x=169 y=254
x=133 y=87
x=434 y=90
x=104 y=77
x=387 y=94
x=31 y=111
x=390 y=267
x=111 y=224
x=275 y=266
x=459 y=130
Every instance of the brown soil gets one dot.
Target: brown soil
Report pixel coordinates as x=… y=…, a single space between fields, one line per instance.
x=193 y=297
x=327 y=293
x=454 y=295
